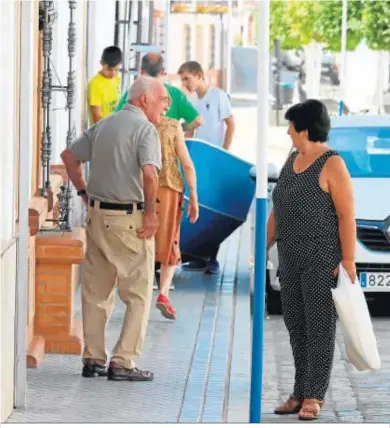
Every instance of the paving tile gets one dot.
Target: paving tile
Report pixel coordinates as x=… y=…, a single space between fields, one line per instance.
x=202 y=370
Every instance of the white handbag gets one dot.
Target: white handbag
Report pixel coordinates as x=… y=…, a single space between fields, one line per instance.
x=355 y=323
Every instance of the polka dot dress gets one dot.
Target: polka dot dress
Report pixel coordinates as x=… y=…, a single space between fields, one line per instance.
x=309 y=250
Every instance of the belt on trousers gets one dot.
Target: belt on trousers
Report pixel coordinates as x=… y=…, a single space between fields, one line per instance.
x=118 y=207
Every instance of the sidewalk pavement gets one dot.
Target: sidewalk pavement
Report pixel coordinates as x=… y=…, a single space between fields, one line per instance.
x=202 y=364
x=200 y=361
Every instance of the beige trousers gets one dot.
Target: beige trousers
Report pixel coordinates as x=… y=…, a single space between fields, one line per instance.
x=116 y=256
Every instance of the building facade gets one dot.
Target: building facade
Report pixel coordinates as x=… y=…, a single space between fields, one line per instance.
x=49 y=52
x=39 y=116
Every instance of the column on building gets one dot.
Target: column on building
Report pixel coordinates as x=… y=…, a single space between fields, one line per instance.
x=9 y=195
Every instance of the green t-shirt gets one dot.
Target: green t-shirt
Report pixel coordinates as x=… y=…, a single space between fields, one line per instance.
x=181 y=107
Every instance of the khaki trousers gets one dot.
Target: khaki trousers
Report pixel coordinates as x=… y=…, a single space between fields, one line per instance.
x=116 y=256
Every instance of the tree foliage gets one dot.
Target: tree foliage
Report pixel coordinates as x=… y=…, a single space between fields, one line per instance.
x=301 y=17
x=297 y=23
x=279 y=26
x=329 y=24
x=376 y=21
x=292 y=22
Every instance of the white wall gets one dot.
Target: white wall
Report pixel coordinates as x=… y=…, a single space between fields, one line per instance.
x=8 y=126
x=7 y=335
x=8 y=74
x=176 y=41
x=101 y=26
x=370 y=67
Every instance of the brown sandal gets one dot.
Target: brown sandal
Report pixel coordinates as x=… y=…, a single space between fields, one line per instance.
x=290 y=407
x=311 y=409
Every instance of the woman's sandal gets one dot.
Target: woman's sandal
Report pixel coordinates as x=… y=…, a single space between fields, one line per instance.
x=290 y=407
x=310 y=410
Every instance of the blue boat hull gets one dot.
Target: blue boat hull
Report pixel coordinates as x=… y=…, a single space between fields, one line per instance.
x=225 y=193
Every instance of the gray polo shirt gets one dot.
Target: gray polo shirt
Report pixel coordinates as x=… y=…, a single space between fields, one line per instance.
x=119 y=146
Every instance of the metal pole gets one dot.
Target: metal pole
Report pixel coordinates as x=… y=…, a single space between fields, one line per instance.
x=116 y=28
x=167 y=15
x=261 y=211
x=125 y=84
x=66 y=196
x=228 y=74
x=125 y=31
x=279 y=104
x=343 y=74
x=151 y=21
x=47 y=39
x=139 y=34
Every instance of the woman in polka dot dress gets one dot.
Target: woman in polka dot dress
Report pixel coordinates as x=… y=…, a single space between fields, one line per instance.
x=313 y=224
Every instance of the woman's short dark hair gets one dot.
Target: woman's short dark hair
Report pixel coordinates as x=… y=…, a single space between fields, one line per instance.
x=311 y=115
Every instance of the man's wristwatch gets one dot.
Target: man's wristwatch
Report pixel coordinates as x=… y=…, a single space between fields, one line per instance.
x=82 y=193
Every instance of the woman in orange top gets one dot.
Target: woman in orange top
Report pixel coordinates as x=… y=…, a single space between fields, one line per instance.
x=170 y=206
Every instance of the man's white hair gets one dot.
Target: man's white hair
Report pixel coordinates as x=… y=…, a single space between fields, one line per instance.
x=143 y=85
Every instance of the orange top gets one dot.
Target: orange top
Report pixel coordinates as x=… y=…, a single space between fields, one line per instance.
x=170 y=132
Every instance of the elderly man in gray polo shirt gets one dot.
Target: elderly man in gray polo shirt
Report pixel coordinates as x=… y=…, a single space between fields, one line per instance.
x=121 y=223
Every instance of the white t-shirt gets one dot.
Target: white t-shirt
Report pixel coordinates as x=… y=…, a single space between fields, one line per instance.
x=214 y=107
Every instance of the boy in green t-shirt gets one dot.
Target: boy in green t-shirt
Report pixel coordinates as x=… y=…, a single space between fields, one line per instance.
x=181 y=108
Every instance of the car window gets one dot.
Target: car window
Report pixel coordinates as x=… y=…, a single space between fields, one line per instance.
x=366 y=152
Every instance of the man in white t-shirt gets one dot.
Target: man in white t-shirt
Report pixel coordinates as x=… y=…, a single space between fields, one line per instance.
x=213 y=104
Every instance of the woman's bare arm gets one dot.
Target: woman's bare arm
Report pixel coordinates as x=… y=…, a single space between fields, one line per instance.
x=186 y=161
x=341 y=191
x=340 y=187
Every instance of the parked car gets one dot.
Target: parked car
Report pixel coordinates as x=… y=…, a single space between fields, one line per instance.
x=364 y=144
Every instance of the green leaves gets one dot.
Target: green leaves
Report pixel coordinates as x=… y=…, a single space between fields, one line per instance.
x=301 y=17
x=297 y=23
x=329 y=24
x=376 y=18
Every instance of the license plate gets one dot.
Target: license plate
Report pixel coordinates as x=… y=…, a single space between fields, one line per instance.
x=375 y=281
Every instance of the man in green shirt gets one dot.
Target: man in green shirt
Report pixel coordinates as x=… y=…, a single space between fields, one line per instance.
x=181 y=108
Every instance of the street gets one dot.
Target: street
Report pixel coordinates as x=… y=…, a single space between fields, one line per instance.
x=353 y=397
